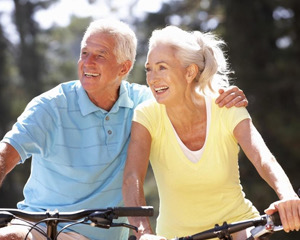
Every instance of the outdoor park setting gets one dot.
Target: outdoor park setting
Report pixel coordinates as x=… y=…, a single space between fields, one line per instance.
x=40 y=42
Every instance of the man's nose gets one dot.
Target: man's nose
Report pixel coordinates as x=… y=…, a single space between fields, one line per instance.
x=89 y=59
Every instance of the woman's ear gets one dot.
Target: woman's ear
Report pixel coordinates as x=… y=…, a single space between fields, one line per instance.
x=191 y=72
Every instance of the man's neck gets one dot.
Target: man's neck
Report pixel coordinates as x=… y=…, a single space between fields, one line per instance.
x=105 y=100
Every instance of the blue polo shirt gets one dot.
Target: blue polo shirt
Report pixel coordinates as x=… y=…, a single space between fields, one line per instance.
x=78 y=151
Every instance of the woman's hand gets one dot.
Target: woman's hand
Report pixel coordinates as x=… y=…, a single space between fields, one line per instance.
x=151 y=237
x=232 y=96
x=289 y=211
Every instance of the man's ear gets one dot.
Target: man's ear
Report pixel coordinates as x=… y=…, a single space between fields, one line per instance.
x=125 y=67
x=191 y=72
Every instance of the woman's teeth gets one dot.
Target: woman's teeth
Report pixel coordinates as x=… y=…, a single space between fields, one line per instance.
x=160 y=89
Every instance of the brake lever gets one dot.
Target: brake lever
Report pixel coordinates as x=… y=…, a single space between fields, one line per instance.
x=270 y=227
x=104 y=220
x=125 y=225
x=100 y=219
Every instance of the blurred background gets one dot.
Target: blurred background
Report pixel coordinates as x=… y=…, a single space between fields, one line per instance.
x=40 y=44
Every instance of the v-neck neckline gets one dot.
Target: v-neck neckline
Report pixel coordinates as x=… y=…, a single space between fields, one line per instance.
x=176 y=141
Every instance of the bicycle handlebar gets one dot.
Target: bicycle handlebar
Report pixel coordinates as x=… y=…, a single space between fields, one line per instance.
x=102 y=218
x=114 y=213
x=133 y=211
x=265 y=224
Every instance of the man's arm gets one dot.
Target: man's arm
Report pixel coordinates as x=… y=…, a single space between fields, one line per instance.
x=9 y=158
x=232 y=96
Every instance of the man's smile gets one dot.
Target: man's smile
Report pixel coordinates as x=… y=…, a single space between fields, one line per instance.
x=91 y=74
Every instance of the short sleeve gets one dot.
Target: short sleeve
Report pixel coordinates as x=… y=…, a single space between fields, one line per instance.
x=235 y=116
x=145 y=114
x=31 y=133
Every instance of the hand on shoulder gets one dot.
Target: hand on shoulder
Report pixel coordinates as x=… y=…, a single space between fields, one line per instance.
x=232 y=96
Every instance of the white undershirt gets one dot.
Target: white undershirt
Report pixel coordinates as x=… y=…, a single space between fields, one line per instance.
x=194 y=156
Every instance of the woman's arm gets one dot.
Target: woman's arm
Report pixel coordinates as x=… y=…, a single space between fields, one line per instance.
x=135 y=172
x=269 y=169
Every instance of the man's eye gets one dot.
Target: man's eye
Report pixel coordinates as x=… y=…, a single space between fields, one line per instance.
x=162 y=68
x=147 y=69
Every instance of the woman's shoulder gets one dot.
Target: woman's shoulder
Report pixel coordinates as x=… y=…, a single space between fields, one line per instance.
x=150 y=110
x=149 y=105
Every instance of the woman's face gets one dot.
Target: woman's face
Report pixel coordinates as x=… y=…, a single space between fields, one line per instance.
x=165 y=74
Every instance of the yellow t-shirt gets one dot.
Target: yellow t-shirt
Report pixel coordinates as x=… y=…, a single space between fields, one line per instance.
x=196 y=196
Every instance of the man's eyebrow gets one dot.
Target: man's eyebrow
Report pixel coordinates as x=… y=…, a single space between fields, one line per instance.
x=101 y=51
x=98 y=50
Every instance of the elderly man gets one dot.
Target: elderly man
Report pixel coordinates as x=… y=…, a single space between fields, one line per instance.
x=78 y=132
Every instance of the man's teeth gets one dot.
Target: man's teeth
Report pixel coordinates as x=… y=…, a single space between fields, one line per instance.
x=91 y=74
x=160 y=89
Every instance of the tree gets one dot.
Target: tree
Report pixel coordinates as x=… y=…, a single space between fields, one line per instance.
x=4 y=81
x=30 y=52
x=21 y=74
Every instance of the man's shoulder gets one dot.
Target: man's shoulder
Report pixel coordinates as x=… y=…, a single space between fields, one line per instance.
x=56 y=96
x=137 y=92
x=62 y=90
x=135 y=86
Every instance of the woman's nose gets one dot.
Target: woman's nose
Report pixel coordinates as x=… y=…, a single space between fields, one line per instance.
x=151 y=77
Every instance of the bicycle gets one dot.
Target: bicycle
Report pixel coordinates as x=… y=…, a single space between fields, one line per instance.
x=102 y=218
x=264 y=227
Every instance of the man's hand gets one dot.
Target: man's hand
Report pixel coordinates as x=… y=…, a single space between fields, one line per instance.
x=232 y=96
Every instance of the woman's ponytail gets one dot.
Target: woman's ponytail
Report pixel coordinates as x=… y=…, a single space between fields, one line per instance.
x=213 y=72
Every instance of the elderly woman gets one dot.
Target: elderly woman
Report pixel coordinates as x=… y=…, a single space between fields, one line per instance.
x=193 y=144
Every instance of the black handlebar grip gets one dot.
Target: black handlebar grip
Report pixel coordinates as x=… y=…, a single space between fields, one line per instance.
x=132 y=237
x=145 y=211
x=276 y=219
x=5 y=218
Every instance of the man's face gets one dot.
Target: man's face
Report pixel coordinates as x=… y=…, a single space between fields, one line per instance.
x=98 y=69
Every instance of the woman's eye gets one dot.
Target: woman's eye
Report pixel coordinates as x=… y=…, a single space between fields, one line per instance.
x=162 y=68
x=147 y=69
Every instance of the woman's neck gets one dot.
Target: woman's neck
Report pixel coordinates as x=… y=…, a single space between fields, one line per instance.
x=190 y=123
x=187 y=112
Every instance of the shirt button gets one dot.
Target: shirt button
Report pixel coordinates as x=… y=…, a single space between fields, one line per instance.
x=107 y=118
x=109 y=132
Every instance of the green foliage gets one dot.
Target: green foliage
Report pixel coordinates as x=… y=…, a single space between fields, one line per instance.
x=63 y=50
x=263 y=48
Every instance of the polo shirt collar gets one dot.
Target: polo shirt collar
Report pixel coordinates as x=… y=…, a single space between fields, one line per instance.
x=86 y=106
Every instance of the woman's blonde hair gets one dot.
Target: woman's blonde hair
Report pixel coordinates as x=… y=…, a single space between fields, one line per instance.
x=202 y=49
